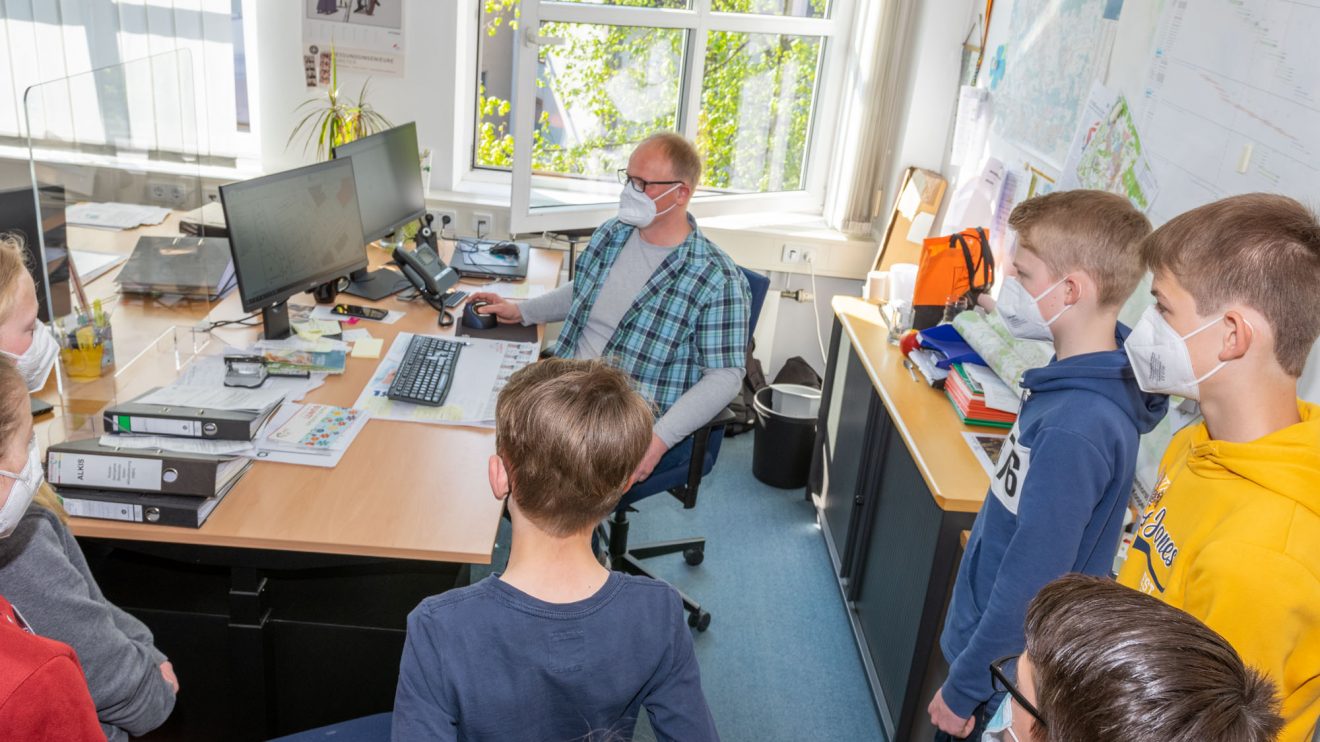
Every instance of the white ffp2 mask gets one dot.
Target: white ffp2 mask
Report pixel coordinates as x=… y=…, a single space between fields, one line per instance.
x=1021 y=311
x=35 y=364
x=21 y=493
x=1160 y=359
x=638 y=209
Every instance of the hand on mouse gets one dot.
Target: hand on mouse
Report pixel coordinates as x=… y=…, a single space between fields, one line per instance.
x=498 y=306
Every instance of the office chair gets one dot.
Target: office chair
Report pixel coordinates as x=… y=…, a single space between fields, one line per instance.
x=679 y=473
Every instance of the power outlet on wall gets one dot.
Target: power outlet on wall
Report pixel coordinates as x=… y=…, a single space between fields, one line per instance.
x=441 y=227
x=482 y=224
x=169 y=194
x=798 y=253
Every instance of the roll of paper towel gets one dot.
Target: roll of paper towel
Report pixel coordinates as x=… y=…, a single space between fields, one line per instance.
x=876 y=290
x=902 y=282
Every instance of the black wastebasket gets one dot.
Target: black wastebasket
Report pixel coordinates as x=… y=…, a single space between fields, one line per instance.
x=785 y=431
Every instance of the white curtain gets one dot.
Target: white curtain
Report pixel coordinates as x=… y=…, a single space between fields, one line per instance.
x=869 y=115
x=46 y=40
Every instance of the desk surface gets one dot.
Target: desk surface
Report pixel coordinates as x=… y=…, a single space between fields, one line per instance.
x=924 y=416
x=403 y=490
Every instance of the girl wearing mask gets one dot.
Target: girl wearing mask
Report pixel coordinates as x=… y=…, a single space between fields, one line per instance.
x=42 y=570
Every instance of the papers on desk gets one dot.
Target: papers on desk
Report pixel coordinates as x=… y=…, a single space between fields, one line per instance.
x=215 y=397
x=521 y=290
x=986 y=447
x=210 y=371
x=484 y=367
x=114 y=215
x=310 y=435
x=92 y=265
x=178 y=445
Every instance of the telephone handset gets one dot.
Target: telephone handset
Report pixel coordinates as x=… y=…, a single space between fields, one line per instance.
x=424 y=269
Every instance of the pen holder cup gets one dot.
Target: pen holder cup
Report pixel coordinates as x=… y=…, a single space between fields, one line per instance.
x=88 y=352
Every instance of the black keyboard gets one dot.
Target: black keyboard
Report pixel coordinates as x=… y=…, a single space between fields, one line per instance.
x=426 y=372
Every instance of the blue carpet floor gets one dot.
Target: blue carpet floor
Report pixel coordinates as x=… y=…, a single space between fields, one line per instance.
x=779 y=661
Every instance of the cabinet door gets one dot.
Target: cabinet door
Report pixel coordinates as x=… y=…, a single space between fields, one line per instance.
x=845 y=442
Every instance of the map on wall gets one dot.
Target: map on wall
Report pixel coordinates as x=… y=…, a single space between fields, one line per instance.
x=1054 y=50
x=1232 y=103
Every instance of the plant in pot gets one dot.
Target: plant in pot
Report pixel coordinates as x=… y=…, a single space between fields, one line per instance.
x=335 y=119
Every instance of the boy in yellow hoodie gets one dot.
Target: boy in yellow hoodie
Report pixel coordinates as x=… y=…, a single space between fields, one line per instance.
x=1233 y=533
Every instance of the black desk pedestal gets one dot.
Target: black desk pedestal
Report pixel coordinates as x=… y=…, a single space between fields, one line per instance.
x=267 y=643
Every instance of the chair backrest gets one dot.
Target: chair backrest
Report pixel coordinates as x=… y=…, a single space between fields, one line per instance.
x=760 y=285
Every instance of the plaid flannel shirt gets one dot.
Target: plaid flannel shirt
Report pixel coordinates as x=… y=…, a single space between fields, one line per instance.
x=691 y=315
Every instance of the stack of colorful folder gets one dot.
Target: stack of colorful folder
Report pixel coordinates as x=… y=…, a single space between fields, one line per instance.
x=969 y=401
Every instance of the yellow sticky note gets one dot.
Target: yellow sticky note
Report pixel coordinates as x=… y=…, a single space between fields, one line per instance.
x=368 y=348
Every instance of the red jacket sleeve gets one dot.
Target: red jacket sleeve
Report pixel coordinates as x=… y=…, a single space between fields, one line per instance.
x=52 y=704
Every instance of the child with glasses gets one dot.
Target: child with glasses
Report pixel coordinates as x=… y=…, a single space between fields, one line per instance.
x=1104 y=662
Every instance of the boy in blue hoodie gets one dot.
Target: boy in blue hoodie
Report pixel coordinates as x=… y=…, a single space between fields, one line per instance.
x=1062 y=482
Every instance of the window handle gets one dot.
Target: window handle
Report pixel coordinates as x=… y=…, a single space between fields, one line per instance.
x=535 y=39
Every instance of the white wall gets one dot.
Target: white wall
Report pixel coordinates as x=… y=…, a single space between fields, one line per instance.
x=931 y=92
x=425 y=94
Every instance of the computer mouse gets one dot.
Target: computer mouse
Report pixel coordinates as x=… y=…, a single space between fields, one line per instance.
x=475 y=321
x=507 y=249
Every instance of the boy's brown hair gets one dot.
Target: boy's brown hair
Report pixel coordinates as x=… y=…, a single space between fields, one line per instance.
x=683 y=157
x=1110 y=662
x=1095 y=232
x=570 y=434
x=1260 y=249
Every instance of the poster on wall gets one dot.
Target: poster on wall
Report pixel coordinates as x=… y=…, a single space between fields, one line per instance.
x=367 y=36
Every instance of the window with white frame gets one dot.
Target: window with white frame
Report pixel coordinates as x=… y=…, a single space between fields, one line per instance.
x=744 y=79
x=47 y=40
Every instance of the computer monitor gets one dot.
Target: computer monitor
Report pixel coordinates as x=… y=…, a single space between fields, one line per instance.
x=34 y=220
x=291 y=232
x=390 y=194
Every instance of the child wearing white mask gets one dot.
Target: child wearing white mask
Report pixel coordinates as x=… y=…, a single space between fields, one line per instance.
x=1103 y=662
x=1232 y=534
x=1061 y=485
x=43 y=694
x=42 y=569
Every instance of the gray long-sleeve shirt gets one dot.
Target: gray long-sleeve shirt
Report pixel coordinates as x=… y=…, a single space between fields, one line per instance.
x=633 y=267
x=44 y=575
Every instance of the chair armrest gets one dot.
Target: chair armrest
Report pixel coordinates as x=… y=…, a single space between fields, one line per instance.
x=700 y=439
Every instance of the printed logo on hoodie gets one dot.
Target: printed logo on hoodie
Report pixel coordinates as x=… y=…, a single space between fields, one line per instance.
x=1154 y=540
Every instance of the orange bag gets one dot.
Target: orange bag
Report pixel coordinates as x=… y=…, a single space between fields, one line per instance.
x=953 y=273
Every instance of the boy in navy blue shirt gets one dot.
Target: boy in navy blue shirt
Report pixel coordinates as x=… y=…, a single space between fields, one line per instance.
x=1064 y=476
x=557 y=647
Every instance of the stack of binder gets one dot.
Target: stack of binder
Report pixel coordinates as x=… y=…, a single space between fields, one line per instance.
x=157 y=462
x=969 y=400
x=142 y=485
x=200 y=268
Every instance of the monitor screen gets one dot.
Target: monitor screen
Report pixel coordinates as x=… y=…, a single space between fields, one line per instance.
x=389 y=179
x=293 y=231
x=19 y=217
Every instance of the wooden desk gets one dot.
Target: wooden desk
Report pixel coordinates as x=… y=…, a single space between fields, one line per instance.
x=287 y=608
x=896 y=487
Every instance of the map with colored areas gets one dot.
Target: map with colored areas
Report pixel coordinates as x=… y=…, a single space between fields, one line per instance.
x=1113 y=159
x=1055 y=49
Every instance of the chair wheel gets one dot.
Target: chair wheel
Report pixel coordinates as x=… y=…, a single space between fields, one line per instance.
x=694 y=555
x=699 y=620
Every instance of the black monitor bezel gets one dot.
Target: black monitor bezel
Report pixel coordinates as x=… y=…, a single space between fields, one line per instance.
x=345 y=150
x=283 y=293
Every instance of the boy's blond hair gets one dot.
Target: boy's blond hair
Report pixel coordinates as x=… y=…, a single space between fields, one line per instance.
x=683 y=157
x=570 y=434
x=1260 y=249
x=1094 y=232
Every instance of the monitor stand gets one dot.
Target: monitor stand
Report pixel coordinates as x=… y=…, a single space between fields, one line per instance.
x=40 y=406
x=375 y=285
x=275 y=321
